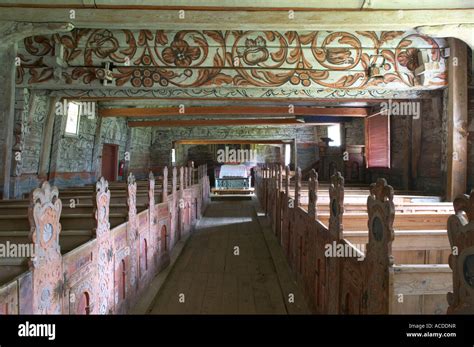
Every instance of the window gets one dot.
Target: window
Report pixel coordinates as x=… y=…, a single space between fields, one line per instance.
x=73 y=118
x=287 y=154
x=377 y=141
x=334 y=133
x=173 y=156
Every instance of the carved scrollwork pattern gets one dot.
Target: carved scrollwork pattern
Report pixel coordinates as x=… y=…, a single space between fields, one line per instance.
x=381 y=211
x=44 y=214
x=197 y=58
x=461 y=259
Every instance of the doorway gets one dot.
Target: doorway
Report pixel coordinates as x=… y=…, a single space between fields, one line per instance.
x=109 y=162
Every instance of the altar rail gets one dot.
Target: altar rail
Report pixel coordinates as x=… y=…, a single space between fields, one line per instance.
x=342 y=277
x=107 y=274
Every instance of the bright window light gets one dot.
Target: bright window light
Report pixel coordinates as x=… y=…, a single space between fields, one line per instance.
x=287 y=154
x=334 y=133
x=73 y=118
x=173 y=156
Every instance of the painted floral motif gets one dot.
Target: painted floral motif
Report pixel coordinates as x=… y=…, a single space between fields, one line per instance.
x=255 y=51
x=180 y=53
x=409 y=58
x=105 y=43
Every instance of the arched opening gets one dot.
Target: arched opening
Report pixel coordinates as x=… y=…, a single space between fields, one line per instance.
x=124 y=277
x=163 y=236
x=84 y=304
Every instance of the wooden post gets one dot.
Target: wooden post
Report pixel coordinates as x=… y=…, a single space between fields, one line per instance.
x=313 y=194
x=151 y=199
x=105 y=265
x=7 y=112
x=181 y=180
x=457 y=120
x=287 y=181
x=128 y=146
x=185 y=182
x=297 y=187
x=379 y=260
x=164 y=193
x=132 y=229
x=336 y=205
x=175 y=179
x=46 y=144
x=44 y=214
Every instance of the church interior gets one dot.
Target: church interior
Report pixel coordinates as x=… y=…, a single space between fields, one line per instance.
x=236 y=157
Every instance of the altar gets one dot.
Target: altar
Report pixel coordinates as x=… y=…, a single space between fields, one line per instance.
x=233 y=179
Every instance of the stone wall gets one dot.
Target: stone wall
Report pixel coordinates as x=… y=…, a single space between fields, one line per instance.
x=428 y=175
x=164 y=137
x=76 y=160
x=355 y=132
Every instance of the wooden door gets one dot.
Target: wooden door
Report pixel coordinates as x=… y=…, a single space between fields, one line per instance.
x=109 y=162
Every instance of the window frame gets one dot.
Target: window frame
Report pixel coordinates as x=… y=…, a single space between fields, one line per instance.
x=78 y=120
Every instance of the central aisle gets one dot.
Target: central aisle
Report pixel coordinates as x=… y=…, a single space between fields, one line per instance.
x=227 y=268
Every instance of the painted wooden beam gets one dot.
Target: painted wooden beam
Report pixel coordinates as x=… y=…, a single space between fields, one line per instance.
x=219 y=122
x=234 y=110
x=7 y=116
x=457 y=120
x=241 y=20
x=206 y=5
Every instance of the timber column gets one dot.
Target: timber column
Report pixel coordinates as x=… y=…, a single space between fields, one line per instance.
x=457 y=123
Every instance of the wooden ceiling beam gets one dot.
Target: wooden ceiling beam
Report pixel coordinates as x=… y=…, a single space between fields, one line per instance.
x=231 y=142
x=379 y=20
x=234 y=110
x=217 y=122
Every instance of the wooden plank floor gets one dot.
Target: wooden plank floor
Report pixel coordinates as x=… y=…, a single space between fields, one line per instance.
x=213 y=280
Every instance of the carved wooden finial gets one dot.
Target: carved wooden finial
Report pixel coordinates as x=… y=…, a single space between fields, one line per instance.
x=465 y=203
x=104 y=247
x=313 y=193
x=181 y=178
x=336 y=207
x=132 y=206
x=151 y=191
x=44 y=214
x=175 y=179
x=102 y=203
x=280 y=178
x=165 y=184
x=381 y=190
x=46 y=266
x=186 y=174
x=287 y=181
x=381 y=211
x=131 y=179
x=461 y=259
x=297 y=186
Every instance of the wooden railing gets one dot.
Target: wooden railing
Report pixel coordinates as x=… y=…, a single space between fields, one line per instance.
x=345 y=262
x=108 y=273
